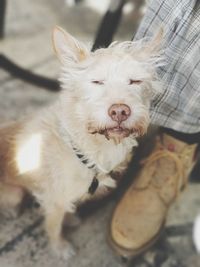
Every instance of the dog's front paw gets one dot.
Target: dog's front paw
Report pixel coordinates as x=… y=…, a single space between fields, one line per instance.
x=64 y=250
x=109 y=182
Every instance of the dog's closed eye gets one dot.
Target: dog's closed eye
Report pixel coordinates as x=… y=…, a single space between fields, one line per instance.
x=99 y=82
x=132 y=81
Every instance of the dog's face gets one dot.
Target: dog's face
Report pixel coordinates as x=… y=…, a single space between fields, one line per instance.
x=108 y=91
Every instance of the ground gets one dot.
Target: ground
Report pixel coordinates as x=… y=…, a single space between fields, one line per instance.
x=22 y=240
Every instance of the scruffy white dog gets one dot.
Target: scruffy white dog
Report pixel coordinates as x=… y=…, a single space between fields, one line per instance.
x=66 y=152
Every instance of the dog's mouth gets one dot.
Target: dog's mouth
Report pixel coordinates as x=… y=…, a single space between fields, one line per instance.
x=118 y=133
x=115 y=131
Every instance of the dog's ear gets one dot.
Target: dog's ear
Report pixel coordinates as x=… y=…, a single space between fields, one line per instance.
x=153 y=50
x=67 y=48
x=154 y=46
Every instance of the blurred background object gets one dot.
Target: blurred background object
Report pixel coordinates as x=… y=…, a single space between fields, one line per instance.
x=104 y=36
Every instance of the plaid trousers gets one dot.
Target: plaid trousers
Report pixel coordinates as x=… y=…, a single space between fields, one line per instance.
x=178 y=105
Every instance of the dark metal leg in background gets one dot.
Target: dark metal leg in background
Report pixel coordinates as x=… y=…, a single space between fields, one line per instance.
x=2 y=17
x=109 y=24
x=7 y=65
x=27 y=76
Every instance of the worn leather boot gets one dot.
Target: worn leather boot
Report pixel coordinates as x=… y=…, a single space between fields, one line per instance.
x=141 y=214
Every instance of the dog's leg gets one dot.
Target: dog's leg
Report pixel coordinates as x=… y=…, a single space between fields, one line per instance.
x=108 y=182
x=106 y=186
x=54 y=222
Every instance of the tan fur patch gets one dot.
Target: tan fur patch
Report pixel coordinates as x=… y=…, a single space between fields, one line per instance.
x=8 y=169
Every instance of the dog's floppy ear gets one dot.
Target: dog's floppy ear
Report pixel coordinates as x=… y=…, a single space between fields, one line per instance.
x=67 y=48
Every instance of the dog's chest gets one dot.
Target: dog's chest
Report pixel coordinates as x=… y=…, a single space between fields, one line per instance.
x=77 y=168
x=109 y=157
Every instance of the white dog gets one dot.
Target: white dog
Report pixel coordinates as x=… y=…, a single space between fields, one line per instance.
x=66 y=152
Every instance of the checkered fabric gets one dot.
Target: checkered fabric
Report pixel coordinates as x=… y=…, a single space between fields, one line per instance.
x=178 y=105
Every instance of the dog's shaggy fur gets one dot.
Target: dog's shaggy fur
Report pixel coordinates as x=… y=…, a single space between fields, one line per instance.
x=39 y=155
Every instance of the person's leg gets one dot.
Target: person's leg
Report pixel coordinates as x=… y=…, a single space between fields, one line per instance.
x=187 y=138
x=140 y=215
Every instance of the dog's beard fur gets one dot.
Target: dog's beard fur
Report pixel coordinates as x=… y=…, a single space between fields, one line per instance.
x=117 y=132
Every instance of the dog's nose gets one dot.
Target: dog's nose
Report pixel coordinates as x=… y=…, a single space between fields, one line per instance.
x=119 y=112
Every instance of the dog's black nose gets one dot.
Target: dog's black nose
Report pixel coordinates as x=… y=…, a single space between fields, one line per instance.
x=119 y=112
